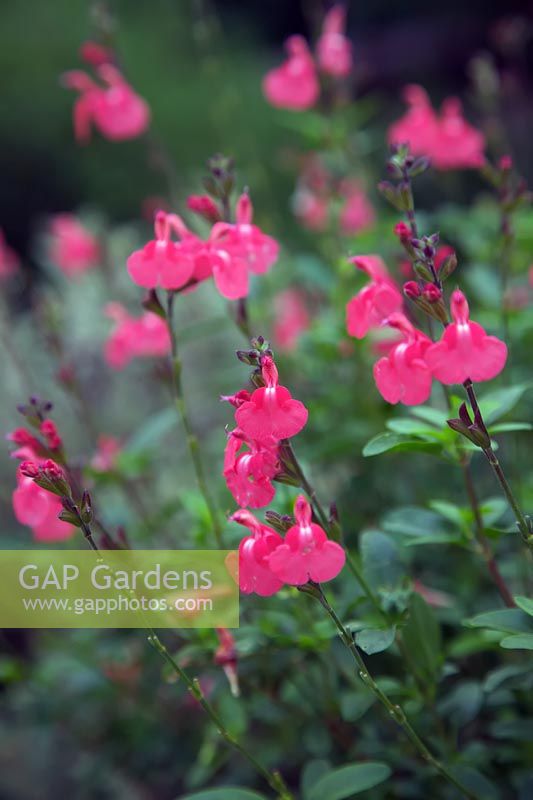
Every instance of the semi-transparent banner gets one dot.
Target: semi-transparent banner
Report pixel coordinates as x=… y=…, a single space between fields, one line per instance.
x=118 y=589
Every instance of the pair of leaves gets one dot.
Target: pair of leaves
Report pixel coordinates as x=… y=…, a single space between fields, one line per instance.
x=514 y=624
x=333 y=784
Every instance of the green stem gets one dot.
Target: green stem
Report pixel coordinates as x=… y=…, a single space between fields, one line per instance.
x=274 y=779
x=521 y=520
x=192 y=440
x=394 y=710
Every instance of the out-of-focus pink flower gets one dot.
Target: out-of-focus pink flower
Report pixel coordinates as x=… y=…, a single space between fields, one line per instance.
x=292 y=318
x=73 y=248
x=465 y=350
x=312 y=210
x=163 y=262
x=419 y=125
x=134 y=337
x=404 y=376
x=9 y=260
x=114 y=109
x=448 y=140
x=459 y=145
x=249 y=474
x=107 y=450
x=96 y=54
x=293 y=85
x=306 y=552
x=226 y=657
x=204 y=206
x=334 y=51
x=357 y=213
x=255 y=574
x=271 y=411
x=375 y=302
x=433 y=597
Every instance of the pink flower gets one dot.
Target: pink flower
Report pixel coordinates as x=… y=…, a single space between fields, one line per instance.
x=293 y=85
x=357 y=213
x=226 y=657
x=419 y=126
x=249 y=474
x=261 y=251
x=95 y=54
x=114 y=109
x=465 y=350
x=403 y=376
x=9 y=260
x=72 y=247
x=311 y=209
x=334 y=51
x=108 y=449
x=134 y=337
x=271 y=410
x=39 y=509
x=449 y=141
x=254 y=551
x=458 y=145
x=292 y=318
x=224 y=257
x=163 y=262
x=306 y=553
x=376 y=301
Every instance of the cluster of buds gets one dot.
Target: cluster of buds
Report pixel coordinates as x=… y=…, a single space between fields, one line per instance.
x=220 y=182
x=402 y=166
x=260 y=347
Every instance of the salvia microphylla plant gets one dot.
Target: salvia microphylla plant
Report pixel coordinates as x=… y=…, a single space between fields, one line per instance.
x=294 y=544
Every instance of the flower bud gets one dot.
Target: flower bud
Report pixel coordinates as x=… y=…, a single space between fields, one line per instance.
x=412 y=290
x=448 y=266
x=432 y=293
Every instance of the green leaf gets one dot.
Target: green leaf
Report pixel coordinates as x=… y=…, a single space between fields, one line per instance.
x=384 y=442
x=499 y=402
x=410 y=427
x=381 y=560
x=374 y=640
x=422 y=636
x=522 y=642
x=355 y=704
x=226 y=793
x=507 y=620
x=432 y=415
x=507 y=427
x=525 y=603
x=346 y=781
x=311 y=772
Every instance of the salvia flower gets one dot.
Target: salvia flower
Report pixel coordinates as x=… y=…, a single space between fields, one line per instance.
x=334 y=50
x=261 y=251
x=113 y=108
x=357 y=213
x=248 y=474
x=465 y=349
x=163 y=262
x=108 y=448
x=306 y=552
x=271 y=411
x=134 y=337
x=403 y=376
x=375 y=302
x=292 y=318
x=448 y=139
x=293 y=85
x=72 y=247
x=255 y=574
